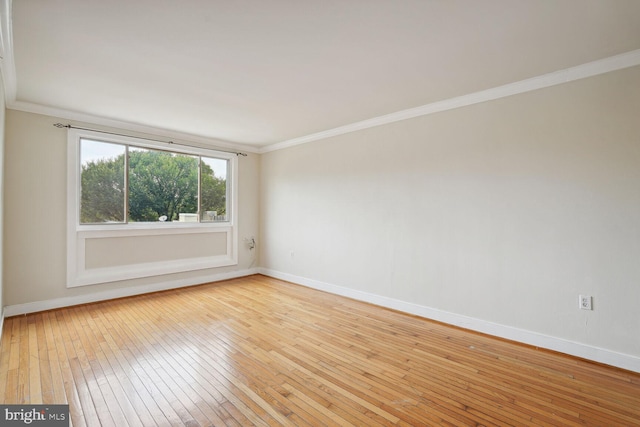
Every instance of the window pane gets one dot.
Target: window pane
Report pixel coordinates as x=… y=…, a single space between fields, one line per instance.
x=213 y=186
x=102 y=182
x=163 y=186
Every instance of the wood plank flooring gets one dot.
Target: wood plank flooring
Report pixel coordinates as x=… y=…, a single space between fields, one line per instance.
x=258 y=351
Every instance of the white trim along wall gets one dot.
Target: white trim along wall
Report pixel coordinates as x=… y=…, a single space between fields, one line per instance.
x=495 y=216
x=276 y=251
x=161 y=285
x=601 y=355
x=605 y=65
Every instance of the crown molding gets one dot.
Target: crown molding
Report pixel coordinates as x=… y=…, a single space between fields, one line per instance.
x=128 y=126
x=7 y=65
x=8 y=72
x=590 y=69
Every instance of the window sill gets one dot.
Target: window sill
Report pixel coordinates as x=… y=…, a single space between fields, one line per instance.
x=152 y=226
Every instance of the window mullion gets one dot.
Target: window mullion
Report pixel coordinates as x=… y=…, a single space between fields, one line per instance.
x=199 y=208
x=111 y=196
x=126 y=185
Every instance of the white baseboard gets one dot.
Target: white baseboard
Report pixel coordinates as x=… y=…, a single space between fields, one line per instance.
x=32 y=307
x=596 y=354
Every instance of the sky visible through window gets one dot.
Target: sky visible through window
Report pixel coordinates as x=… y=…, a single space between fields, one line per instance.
x=92 y=151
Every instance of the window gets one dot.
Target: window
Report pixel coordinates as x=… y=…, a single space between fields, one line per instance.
x=137 y=208
x=125 y=183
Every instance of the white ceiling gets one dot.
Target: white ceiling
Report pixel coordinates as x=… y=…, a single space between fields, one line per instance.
x=261 y=72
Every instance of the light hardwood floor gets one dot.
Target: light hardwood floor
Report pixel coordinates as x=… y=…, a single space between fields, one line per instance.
x=258 y=351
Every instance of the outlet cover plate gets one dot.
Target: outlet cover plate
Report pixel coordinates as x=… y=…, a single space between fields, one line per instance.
x=586 y=302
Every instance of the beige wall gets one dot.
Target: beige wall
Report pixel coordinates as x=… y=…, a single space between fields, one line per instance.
x=2 y=119
x=107 y=252
x=504 y=211
x=35 y=214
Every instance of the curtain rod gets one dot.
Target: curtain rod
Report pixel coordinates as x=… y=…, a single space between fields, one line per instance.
x=60 y=125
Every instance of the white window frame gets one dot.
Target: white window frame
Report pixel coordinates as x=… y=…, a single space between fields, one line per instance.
x=77 y=234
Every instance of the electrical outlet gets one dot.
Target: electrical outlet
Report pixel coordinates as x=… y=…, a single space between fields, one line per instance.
x=586 y=302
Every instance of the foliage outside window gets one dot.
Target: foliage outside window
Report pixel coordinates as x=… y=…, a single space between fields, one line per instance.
x=125 y=183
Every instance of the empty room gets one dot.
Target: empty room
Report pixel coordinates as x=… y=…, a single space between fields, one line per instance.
x=320 y=213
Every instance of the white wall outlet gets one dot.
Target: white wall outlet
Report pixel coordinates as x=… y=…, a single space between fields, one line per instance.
x=586 y=302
